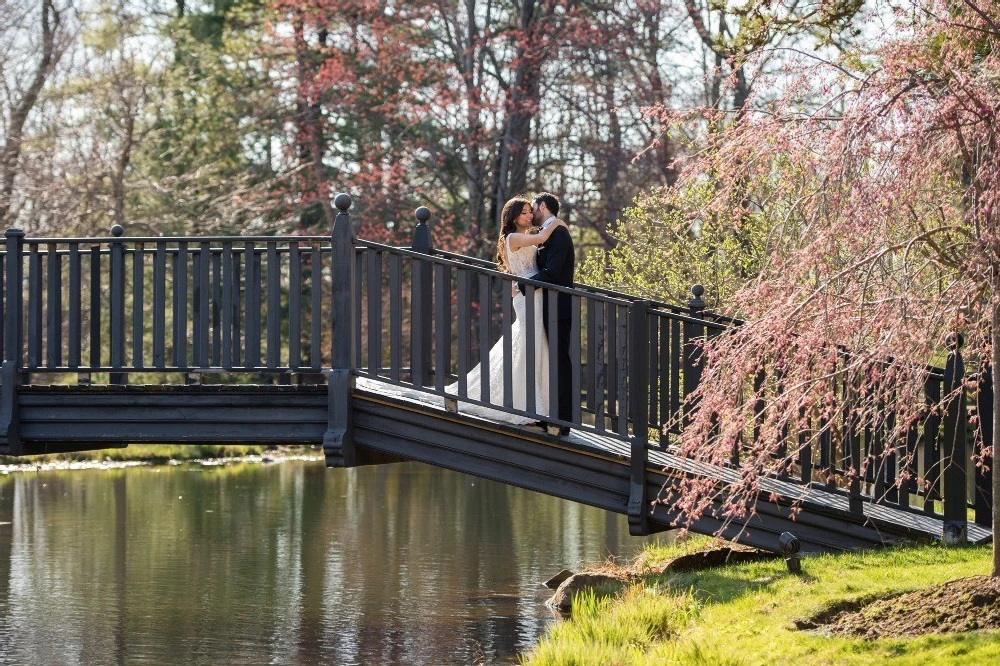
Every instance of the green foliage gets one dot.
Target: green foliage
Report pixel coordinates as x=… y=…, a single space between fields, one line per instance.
x=206 y=164
x=607 y=630
x=744 y=614
x=665 y=245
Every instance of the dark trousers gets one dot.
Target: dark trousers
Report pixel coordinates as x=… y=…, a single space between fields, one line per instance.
x=564 y=365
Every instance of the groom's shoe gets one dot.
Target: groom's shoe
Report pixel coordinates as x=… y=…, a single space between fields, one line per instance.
x=564 y=431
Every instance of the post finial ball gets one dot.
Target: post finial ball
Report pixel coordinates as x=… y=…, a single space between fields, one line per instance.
x=697 y=290
x=117 y=230
x=422 y=214
x=954 y=340
x=342 y=202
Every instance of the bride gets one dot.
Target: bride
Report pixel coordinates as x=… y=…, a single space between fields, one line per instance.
x=516 y=250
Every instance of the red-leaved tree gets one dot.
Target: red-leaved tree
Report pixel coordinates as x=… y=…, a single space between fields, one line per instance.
x=879 y=176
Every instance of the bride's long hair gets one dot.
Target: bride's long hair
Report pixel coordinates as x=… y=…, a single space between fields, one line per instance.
x=511 y=210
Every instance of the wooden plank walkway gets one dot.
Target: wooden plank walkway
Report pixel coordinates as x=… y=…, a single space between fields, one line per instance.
x=824 y=521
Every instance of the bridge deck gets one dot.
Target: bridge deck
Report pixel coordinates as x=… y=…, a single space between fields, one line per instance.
x=395 y=424
x=820 y=508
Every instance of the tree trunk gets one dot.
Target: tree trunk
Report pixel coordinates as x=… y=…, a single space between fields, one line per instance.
x=19 y=114
x=122 y=164
x=511 y=175
x=311 y=139
x=995 y=343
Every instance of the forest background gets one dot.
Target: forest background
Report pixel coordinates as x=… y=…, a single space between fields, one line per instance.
x=243 y=116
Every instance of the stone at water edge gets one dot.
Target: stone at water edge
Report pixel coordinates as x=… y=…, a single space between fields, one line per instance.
x=562 y=600
x=557 y=580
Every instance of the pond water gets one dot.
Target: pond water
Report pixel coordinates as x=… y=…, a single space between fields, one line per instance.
x=288 y=563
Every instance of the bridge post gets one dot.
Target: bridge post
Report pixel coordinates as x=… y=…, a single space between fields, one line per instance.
x=953 y=449
x=338 y=445
x=694 y=336
x=638 y=394
x=13 y=357
x=117 y=281
x=984 y=479
x=421 y=287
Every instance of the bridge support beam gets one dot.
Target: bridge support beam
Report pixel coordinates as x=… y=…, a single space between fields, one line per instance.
x=338 y=442
x=638 y=401
x=13 y=347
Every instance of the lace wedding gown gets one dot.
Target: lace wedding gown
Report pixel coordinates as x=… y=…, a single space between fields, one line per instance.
x=521 y=263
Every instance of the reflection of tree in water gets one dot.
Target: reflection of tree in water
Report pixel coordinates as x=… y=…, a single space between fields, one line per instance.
x=394 y=564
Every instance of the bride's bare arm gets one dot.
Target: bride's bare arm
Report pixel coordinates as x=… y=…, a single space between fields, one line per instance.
x=518 y=241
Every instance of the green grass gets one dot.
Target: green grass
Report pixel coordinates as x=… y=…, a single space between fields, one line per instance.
x=160 y=453
x=743 y=615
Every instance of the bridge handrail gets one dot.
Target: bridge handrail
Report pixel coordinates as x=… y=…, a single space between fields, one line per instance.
x=673 y=307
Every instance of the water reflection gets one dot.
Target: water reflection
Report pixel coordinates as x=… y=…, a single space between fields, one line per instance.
x=285 y=564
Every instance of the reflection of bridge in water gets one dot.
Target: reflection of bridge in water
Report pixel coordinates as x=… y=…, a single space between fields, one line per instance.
x=336 y=341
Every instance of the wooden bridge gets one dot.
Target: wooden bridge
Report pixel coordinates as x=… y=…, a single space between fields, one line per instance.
x=365 y=349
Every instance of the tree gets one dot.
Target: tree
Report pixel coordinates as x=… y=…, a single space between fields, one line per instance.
x=895 y=244
x=24 y=74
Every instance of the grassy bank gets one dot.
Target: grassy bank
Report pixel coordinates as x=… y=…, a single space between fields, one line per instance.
x=743 y=615
x=161 y=453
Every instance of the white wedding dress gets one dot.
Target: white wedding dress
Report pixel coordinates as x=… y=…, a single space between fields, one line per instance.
x=521 y=263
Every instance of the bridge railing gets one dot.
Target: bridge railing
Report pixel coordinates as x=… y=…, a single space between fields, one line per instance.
x=122 y=305
x=470 y=313
x=928 y=467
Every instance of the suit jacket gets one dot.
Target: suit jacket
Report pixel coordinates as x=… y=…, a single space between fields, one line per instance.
x=556 y=264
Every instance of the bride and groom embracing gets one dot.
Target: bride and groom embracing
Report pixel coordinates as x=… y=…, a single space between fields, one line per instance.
x=533 y=244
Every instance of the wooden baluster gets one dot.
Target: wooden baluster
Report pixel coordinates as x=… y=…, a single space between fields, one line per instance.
x=374 y=278
x=294 y=306
x=694 y=337
x=215 y=359
x=180 y=305
x=159 y=305
x=273 y=306
x=53 y=334
x=138 y=309
x=953 y=453
x=576 y=356
x=442 y=325
x=984 y=479
x=34 y=307
x=75 y=317
x=95 y=308
x=117 y=306
x=202 y=302
x=464 y=347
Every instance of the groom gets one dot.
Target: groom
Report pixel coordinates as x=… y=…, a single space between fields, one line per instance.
x=556 y=261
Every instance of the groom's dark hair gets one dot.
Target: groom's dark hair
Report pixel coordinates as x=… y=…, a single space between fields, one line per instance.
x=550 y=201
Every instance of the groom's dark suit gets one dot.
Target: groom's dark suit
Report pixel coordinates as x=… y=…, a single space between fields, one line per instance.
x=556 y=263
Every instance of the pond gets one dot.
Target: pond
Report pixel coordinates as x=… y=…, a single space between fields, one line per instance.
x=288 y=563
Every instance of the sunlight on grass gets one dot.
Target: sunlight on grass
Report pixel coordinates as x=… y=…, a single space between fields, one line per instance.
x=743 y=615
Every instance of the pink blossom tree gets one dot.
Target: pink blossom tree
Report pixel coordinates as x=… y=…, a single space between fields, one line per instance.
x=878 y=177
